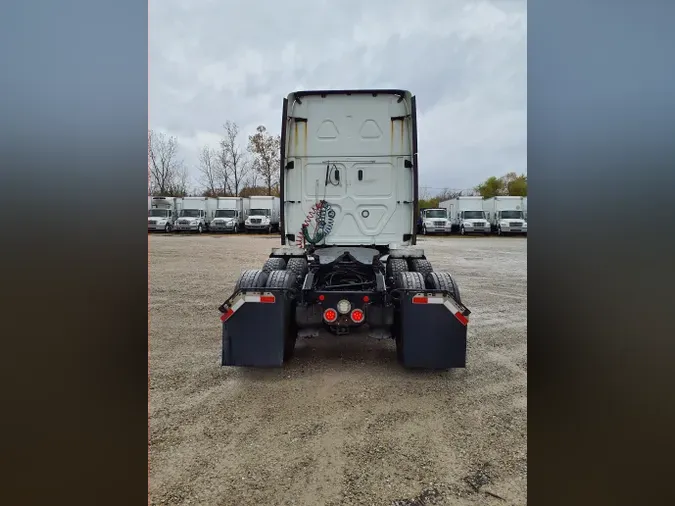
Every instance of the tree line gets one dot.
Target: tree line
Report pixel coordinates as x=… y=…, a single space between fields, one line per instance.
x=224 y=170
x=508 y=184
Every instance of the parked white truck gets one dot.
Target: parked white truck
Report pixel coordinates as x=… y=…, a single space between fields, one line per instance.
x=231 y=212
x=162 y=213
x=348 y=260
x=467 y=215
x=506 y=215
x=263 y=214
x=525 y=208
x=435 y=221
x=195 y=214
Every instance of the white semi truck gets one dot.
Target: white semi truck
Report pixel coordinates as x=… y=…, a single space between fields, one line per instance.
x=435 y=221
x=467 y=215
x=348 y=258
x=506 y=215
x=525 y=208
x=195 y=214
x=263 y=214
x=162 y=214
x=231 y=212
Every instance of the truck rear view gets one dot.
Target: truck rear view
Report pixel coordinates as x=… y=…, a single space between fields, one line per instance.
x=347 y=259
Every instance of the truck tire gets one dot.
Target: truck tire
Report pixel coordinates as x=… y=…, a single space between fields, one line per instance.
x=410 y=281
x=285 y=279
x=199 y=229
x=421 y=265
x=281 y=279
x=251 y=278
x=297 y=266
x=443 y=281
x=274 y=264
x=396 y=266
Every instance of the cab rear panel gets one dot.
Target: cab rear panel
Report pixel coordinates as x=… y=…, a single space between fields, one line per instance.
x=354 y=150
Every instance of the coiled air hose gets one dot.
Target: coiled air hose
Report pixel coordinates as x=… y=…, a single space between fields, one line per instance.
x=324 y=215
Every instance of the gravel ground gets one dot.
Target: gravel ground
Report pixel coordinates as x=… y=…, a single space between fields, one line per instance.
x=343 y=423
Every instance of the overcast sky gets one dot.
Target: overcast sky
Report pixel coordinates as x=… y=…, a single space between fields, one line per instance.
x=466 y=60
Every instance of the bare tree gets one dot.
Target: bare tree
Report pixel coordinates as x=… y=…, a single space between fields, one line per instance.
x=223 y=172
x=448 y=194
x=209 y=170
x=265 y=150
x=179 y=182
x=237 y=165
x=166 y=170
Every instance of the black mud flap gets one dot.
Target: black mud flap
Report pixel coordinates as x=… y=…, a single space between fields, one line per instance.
x=258 y=328
x=431 y=331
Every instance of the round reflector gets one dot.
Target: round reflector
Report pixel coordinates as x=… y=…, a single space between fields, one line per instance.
x=330 y=315
x=357 y=316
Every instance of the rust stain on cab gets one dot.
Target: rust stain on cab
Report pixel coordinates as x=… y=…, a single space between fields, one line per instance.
x=391 y=136
x=402 y=128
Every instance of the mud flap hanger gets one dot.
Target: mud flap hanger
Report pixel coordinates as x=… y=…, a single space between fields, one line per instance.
x=440 y=297
x=254 y=296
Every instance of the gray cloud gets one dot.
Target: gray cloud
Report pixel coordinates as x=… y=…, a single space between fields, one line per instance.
x=466 y=60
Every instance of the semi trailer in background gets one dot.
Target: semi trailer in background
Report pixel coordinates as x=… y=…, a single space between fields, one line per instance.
x=162 y=214
x=230 y=214
x=348 y=258
x=506 y=215
x=195 y=214
x=467 y=215
x=263 y=214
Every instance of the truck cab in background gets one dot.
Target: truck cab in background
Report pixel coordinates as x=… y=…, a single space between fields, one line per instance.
x=230 y=214
x=162 y=214
x=506 y=215
x=263 y=215
x=435 y=221
x=195 y=214
x=466 y=215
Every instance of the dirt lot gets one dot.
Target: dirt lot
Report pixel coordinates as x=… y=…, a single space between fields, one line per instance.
x=343 y=423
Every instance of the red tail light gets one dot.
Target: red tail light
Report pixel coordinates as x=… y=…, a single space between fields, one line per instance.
x=330 y=315
x=420 y=300
x=357 y=316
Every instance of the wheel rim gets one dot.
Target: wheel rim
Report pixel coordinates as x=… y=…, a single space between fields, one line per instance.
x=499 y=231
x=461 y=231
x=199 y=229
x=424 y=230
x=167 y=229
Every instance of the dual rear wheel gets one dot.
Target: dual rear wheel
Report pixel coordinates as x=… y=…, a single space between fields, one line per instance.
x=418 y=274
